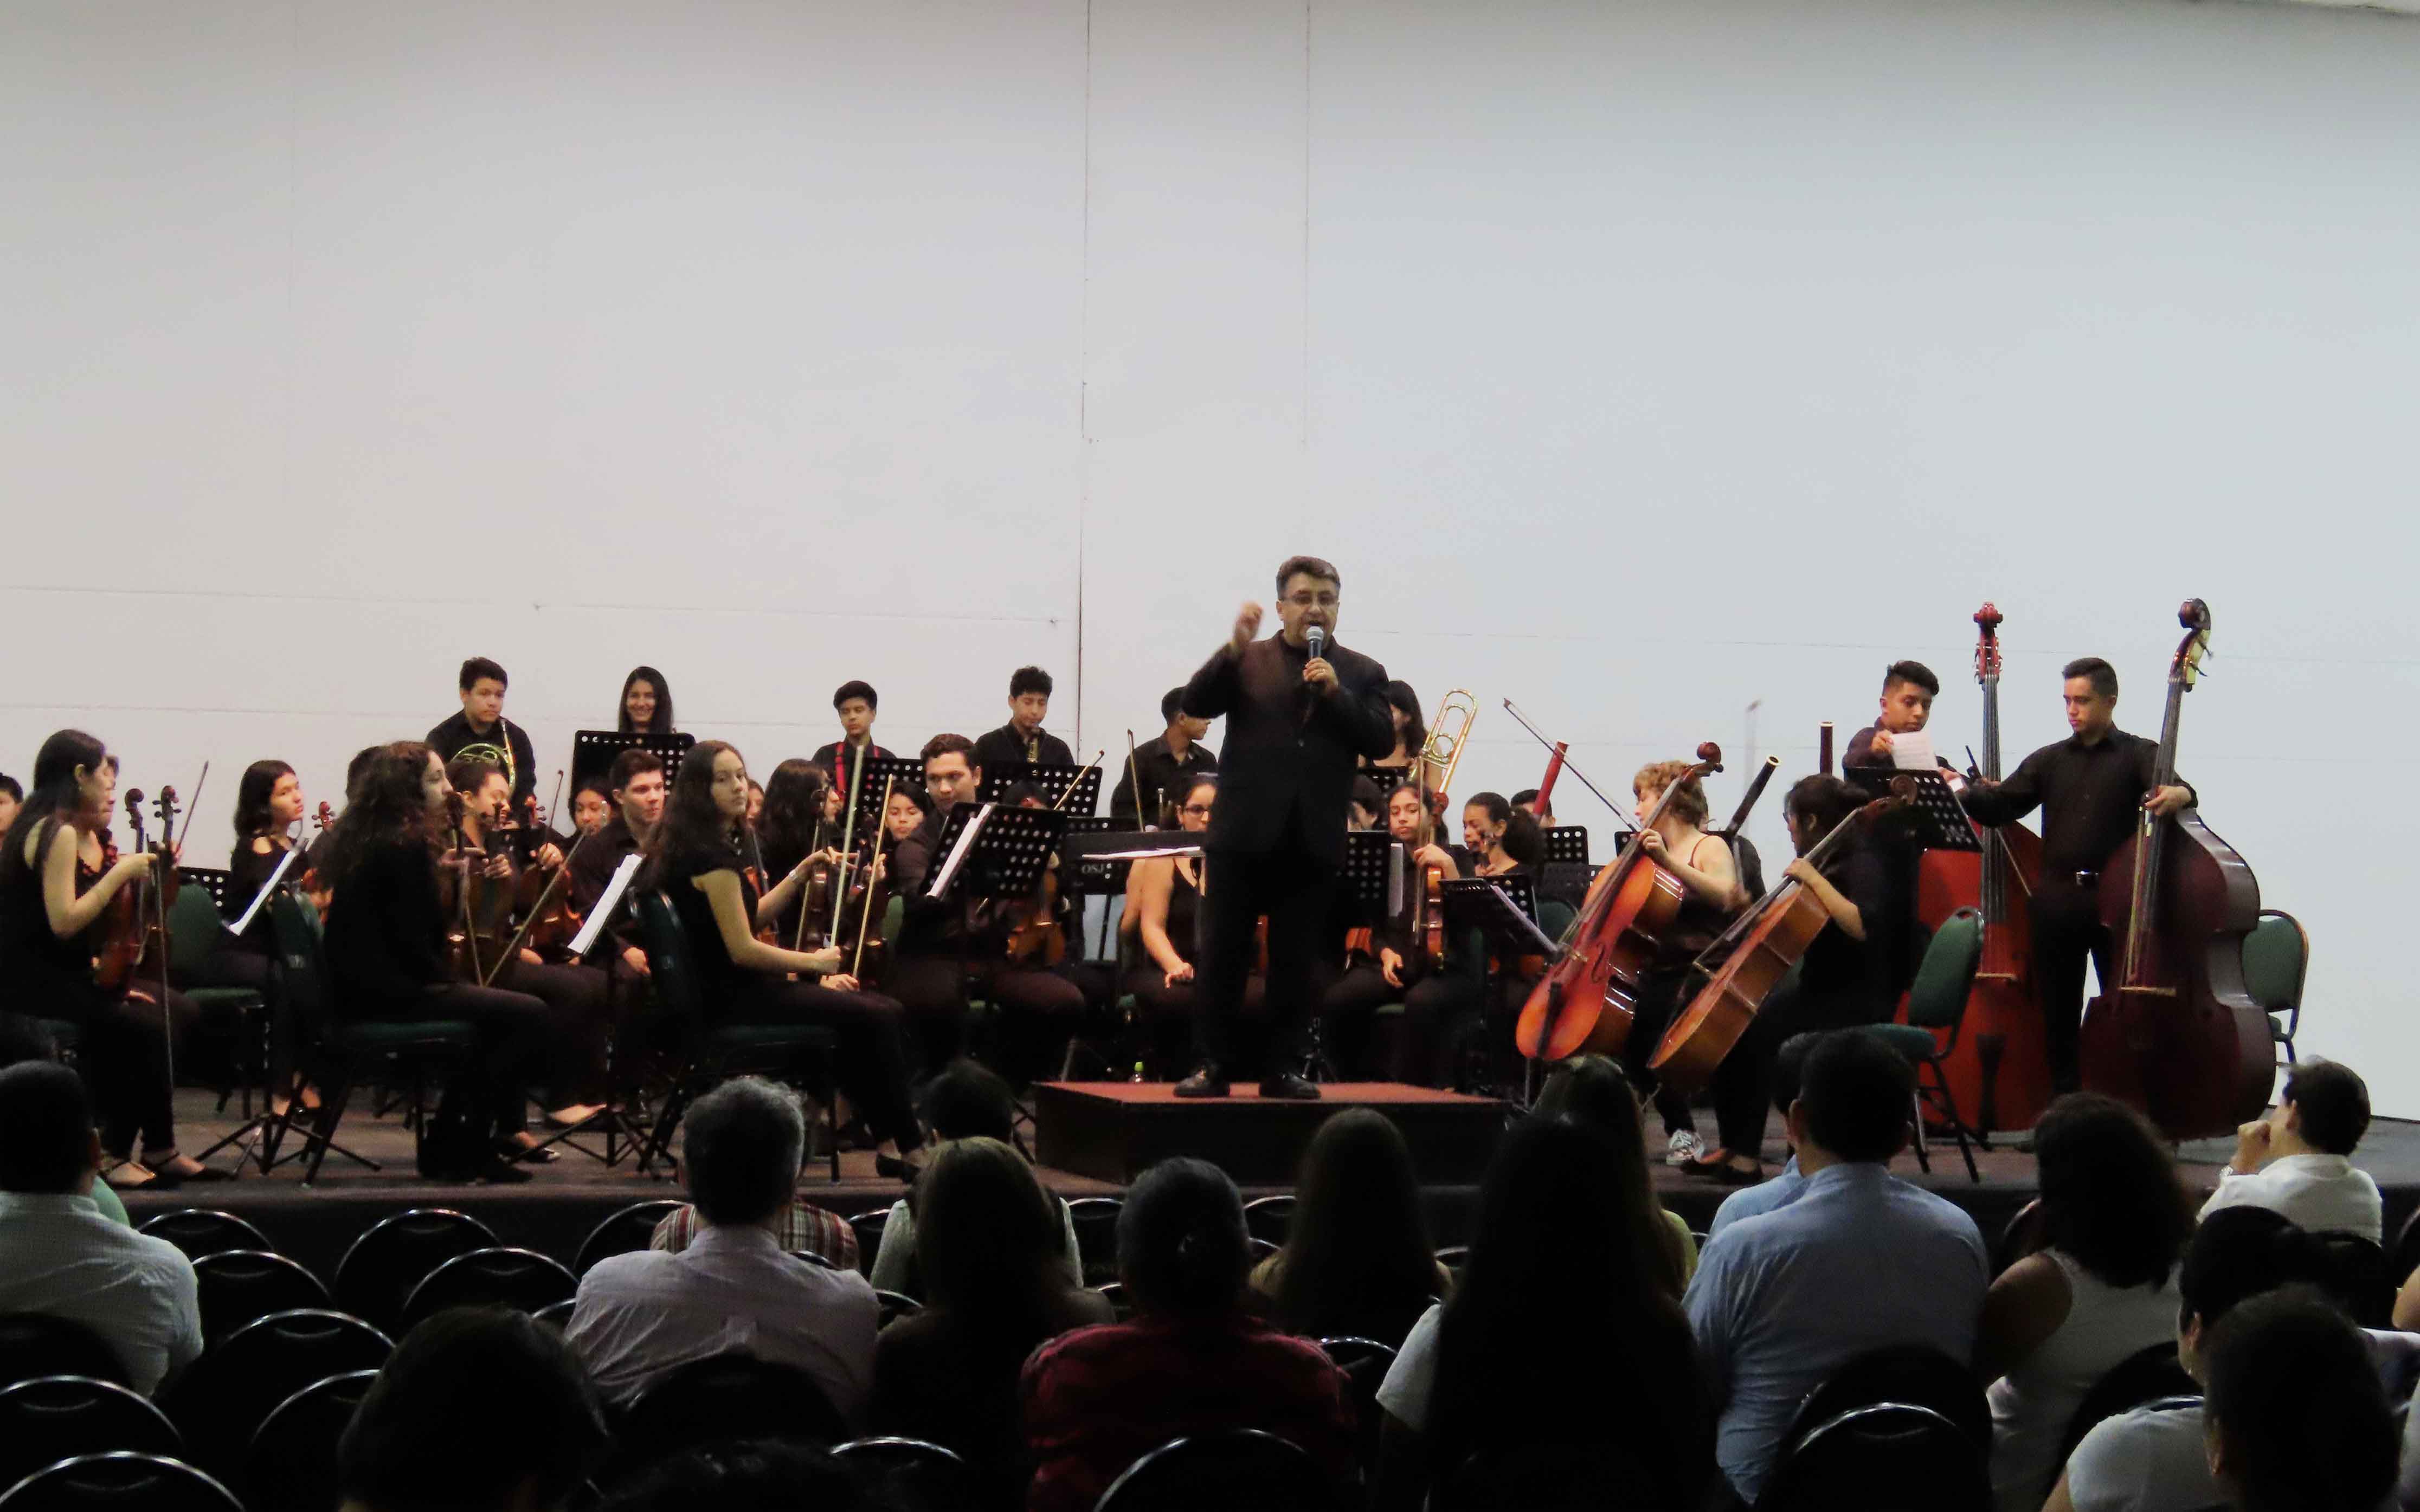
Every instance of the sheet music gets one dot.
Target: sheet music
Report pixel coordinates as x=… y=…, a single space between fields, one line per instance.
x=1394 y=879
x=607 y=902
x=1144 y=855
x=948 y=872
x=262 y=896
x=1913 y=752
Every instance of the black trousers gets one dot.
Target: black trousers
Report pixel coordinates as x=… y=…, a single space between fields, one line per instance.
x=514 y=1029
x=871 y=1029
x=1293 y=889
x=1166 y=1013
x=576 y=999
x=1040 y=1007
x=1660 y=1001
x=2066 y=932
x=1742 y=1088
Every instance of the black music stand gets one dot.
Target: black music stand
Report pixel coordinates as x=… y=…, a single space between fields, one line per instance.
x=905 y=775
x=1052 y=779
x=1387 y=777
x=592 y=752
x=1567 y=845
x=1081 y=876
x=1007 y=857
x=1367 y=872
x=1504 y=909
x=1936 y=818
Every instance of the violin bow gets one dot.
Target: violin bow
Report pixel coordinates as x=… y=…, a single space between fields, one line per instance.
x=865 y=915
x=513 y=947
x=1569 y=765
x=1133 y=782
x=1077 y=781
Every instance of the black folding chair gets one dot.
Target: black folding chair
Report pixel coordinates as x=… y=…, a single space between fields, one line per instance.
x=895 y=1304
x=1265 y=1218
x=1889 y=1456
x=32 y=1345
x=1096 y=1236
x=2146 y=1376
x=240 y=1285
x=724 y=1398
x=621 y=1232
x=520 y=1279
x=1222 y=1471
x=1365 y=1364
x=200 y=1231
x=53 y=1418
x=291 y=1463
x=868 y=1229
x=222 y=1399
x=395 y=1254
x=911 y=1473
x=149 y=1482
x=1915 y=1373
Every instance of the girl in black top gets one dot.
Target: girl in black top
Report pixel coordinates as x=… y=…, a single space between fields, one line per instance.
x=268 y=808
x=55 y=886
x=1843 y=980
x=694 y=858
x=1166 y=899
x=646 y=703
x=1392 y=966
x=386 y=950
x=793 y=834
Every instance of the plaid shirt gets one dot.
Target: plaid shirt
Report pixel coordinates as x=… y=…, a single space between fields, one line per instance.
x=804 y=1226
x=1099 y=1398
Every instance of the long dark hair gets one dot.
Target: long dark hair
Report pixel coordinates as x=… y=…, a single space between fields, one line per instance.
x=794 y=806
x=252 y=792
x=694 y=834
x=2111 y=1198
x=386 y=807
x=54 y=798
x=1399 y=695
x=1558 y=1274
x=1356 y=1253
x=662 y=724
x=1591 y=1091
x=991 y=1244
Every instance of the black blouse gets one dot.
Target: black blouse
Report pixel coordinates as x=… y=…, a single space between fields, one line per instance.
x=248 y=871
x=41 y=973
x=718 y=978
x=385 y=937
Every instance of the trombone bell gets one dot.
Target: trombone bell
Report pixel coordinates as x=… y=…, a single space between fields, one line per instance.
x=1448 y=733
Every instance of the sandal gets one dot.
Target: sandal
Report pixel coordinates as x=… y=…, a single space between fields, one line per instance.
x=142 y=1179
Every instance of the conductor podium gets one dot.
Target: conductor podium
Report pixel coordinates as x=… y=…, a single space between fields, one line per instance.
x=1114 y=1131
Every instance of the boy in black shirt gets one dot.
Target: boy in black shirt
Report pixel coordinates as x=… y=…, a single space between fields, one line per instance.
x=482 y=731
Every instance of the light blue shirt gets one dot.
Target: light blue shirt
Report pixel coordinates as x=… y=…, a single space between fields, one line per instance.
x=58 y=1255
x=1783 y=1298
x=1762 y=1197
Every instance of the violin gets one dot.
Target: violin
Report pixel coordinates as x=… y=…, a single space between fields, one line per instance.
x=2180 y=1038
x=134 y=946
x=815 y=897
x=1765 y=943
x=466 y=957
x=542 y=899
x=1035 y=936
x=1587 y=997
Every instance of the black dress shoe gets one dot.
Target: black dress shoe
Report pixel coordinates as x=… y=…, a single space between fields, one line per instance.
x=1291 y=1087
x=898 y=1167
x=1210 y=1081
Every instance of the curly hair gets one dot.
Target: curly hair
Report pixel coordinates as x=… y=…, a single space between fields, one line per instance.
x=1688 y=803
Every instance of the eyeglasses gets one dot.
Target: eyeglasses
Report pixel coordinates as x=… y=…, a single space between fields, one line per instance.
x=1311 y=600
x=1202 y=809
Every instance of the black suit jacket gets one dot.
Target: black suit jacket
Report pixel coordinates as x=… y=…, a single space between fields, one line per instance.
x=1290 y=753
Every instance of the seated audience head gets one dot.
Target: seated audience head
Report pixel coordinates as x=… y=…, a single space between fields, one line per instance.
x=1592 y=1092
x=742 y=1145
x=951 y=774
x=1181 y=1241
x=2296 y=1416
x=2239 y=1253
x=1358 y=1243
x=1852 y=1103
x=646 y=703
x=968 y=1099
x=1368 y=803
x=478 y=1410
x=758 y=1476
x=856 y=701
x=48 y=1144
x=2323 y=1111
x=991 y=1244
x=24 y=1038
x=2111 y=1199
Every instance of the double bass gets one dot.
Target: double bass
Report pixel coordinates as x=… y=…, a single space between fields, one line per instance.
x=2178 y=1037
x=1764 y=945
x=2000 y=1070
x=1588 y=996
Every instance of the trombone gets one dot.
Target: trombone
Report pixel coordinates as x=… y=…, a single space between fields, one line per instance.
x=1448 y=733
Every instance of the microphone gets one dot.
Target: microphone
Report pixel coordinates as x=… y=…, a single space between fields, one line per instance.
x=1317 y=638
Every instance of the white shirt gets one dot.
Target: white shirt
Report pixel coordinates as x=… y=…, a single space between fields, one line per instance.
x=2323 y=1193
x=642 y=1314
x=1412 y=1379
x=2145 y=1460
x=59 y=1256
x=2032 y=1404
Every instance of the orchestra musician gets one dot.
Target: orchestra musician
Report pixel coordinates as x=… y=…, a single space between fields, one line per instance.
x=1710 y=880
x=481 y=730
x=592 y=806
x=11 y=797
x=1395 y=963
x=1909 y=688
x=1410 y=738
x=1166 y=897
x=855 y=702
x=694 y=858
x=1164 y=764
x=1527 y=802
x=2091 y=788
x=638 y=787
x=756 y=803
x=269 y=808
x=1367 y=807
x=56 y=885
x=1845 y=979
x=792 y=834
x=1296 y=722
x=646 y=703
x=1023 y=739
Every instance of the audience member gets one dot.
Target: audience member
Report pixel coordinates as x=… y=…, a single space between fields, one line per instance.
x=2298 y=1421
x=1860 y=1260
x=2298 y=1160
x=2153 y=1459
x=1356 y=1261
x=734 y=1287
x=799 y=1226
x=1191 y=1360
x=1594 y=1090
x=1568 y=1267
x=996 y=1285
x=2115 y=1220
x=966 y=1101
x=60 y=1255
x=478 y=1410
x=764 y=1475
x=24 y=1038
x=1782 y=1190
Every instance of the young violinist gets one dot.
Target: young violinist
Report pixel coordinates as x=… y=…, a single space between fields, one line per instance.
x=755 y=802
x=908 y=808
x=695 y=859
x=592 y=806
x=269 y=812
x=637 y=791
x=1485 y=821
x=793 y=834
x=481 y=730
x=1844 y=980
x=59 y=879
x=1395 y=963
x=501 y=891
x=1150 y=783
x=1710 y=883
x=855 y=702
x=1023 y=739
x=1909 y=688
x=2091 y=787
x=646 y=703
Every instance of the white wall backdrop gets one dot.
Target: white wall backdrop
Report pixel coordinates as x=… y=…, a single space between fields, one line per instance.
x=1639 y=362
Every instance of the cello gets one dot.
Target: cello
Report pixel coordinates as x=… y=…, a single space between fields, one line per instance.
x=1589 y=994
x=2178 y=1037
x=1764 y=945
x=2000 y=1070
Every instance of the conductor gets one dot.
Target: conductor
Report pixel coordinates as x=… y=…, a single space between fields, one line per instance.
x=1300 y=711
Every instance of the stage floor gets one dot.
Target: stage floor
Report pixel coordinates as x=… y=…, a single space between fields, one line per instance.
x=554 y=1210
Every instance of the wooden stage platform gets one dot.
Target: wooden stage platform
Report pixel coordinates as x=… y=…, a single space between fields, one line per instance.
x=1113 y=1130
x=552 y=1212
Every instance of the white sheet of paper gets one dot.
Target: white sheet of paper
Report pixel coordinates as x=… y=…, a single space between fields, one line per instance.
x=1913 y=752
x=261 y=897
x=607 y=902
x=1144 y=856
x=1395 y=878
x=948 y=872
